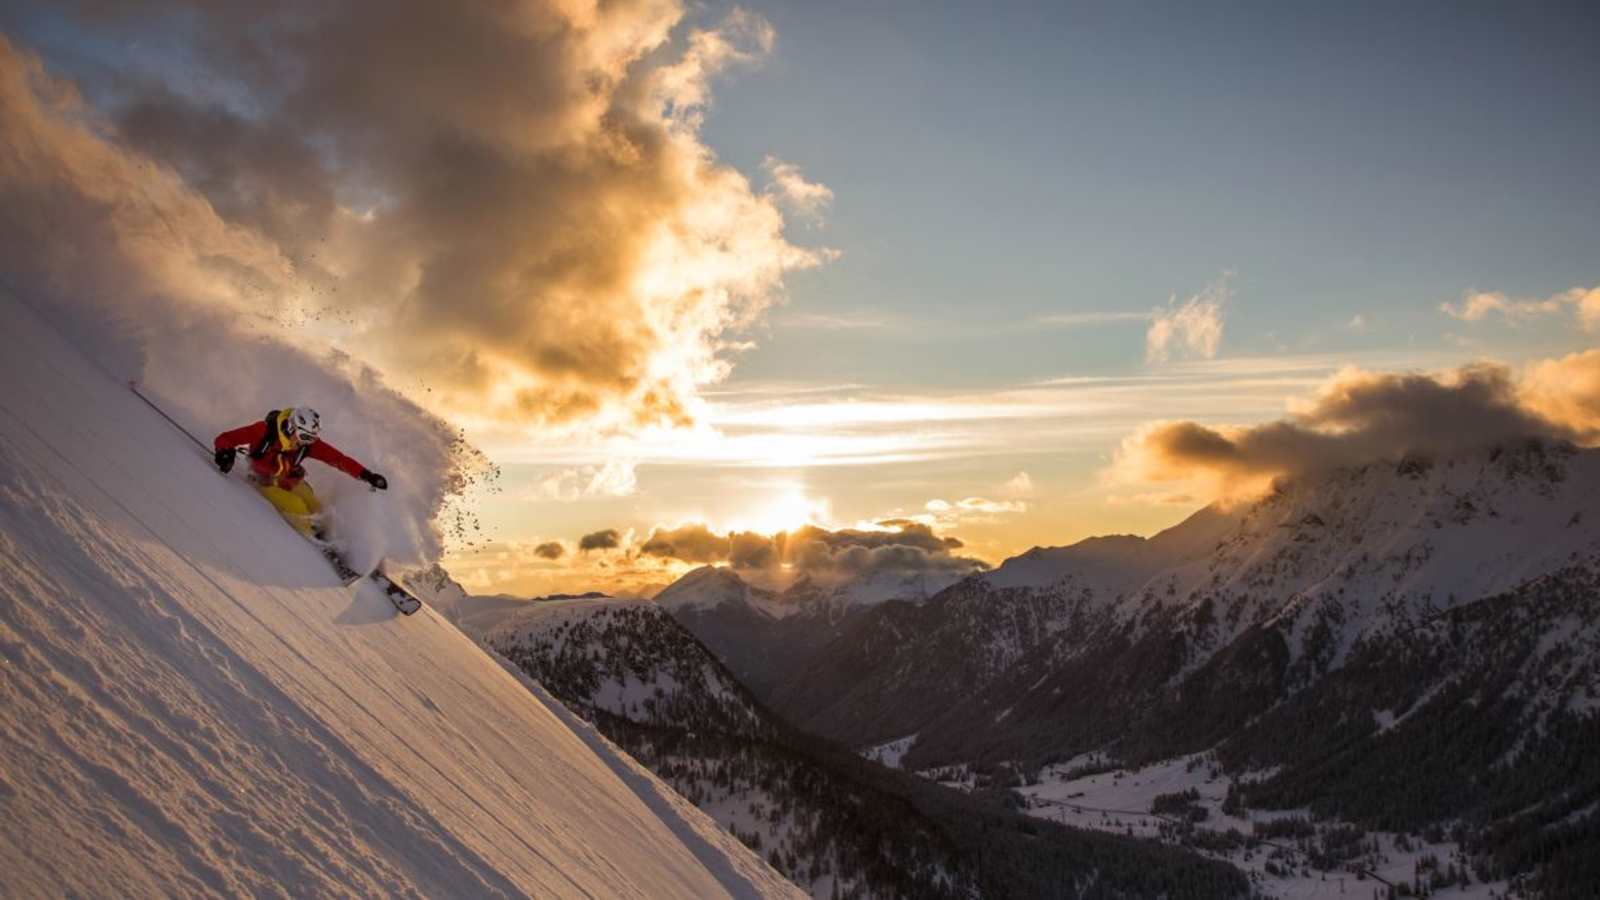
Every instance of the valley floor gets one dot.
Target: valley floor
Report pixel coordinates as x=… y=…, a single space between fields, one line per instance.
x=1119 y=800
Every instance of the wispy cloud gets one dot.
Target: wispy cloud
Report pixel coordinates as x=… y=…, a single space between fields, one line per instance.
x=1193 y=328
x=841 y=321
x=808 y=199
x=796 y=425
x=1153 y=498
x=1479 y=305
x=1083 y=319
x=613 y=478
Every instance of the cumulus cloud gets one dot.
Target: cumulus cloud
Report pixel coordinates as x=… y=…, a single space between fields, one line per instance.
x=819 y=553
x=550 y=550
x=508 y=202
x=911 y=547
x=1020 y=485
x=615 y=478
x=1193 y=328
x=1081 y=319
x=1566 y=391
x=689 y=543
x=1359 y=417
x=606 y=539
x=1479 y=305
x=806 y=198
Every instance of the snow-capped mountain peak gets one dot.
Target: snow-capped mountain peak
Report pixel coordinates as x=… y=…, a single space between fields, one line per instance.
x=712 y=587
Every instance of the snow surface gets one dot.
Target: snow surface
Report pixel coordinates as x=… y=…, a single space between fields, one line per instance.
x=191 y=704
x=892 y=752
x=709 y=587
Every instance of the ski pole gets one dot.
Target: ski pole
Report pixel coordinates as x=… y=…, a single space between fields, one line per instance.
x=134 y=386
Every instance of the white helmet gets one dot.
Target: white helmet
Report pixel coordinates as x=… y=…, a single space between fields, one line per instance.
x=302 y=424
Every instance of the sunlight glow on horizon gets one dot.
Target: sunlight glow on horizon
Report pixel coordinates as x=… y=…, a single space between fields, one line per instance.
x=786 y=510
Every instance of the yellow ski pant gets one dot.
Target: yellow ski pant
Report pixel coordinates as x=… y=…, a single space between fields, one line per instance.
x=299 y=506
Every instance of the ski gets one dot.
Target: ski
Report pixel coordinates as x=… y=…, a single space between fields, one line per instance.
x=398 y=594
x=343 y=569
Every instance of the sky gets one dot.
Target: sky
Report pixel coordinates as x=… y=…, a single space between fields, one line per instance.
x=1009 y=274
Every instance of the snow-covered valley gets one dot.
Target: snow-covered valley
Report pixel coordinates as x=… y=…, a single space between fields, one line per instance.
x=1284 y=851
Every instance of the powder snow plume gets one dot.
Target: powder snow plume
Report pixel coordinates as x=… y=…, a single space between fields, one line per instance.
x=144 y=277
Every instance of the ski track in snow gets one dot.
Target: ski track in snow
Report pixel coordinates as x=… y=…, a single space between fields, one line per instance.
x=192 y=705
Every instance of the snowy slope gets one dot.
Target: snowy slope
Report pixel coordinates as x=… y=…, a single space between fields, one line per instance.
x=711 y=587
x=191 y=704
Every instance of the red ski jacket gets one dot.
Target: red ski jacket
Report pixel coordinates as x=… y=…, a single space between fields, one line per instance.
x=275 y=460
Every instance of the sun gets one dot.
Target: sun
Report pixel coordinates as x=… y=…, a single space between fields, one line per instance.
x=784 y=509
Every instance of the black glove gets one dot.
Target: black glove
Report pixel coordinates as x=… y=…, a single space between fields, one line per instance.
x=225 y=458
x=376 y=480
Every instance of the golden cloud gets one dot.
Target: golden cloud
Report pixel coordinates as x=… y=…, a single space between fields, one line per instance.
x=1566 y=391
x=526 y=220
x=1479 y=305
x=824 y=554
x=1359 y=417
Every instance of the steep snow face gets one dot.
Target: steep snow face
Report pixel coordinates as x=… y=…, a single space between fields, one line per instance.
x=191 y=704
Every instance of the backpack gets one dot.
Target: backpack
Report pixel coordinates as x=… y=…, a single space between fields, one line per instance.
x=260 y=448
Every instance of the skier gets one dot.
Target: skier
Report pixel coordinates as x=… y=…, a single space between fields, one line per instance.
x=277 y=445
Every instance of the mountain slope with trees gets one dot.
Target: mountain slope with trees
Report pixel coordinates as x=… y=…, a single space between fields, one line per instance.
x=833 y=822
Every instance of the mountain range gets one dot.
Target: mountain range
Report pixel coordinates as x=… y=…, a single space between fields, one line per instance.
x=1402 y=617
x=832 y=822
